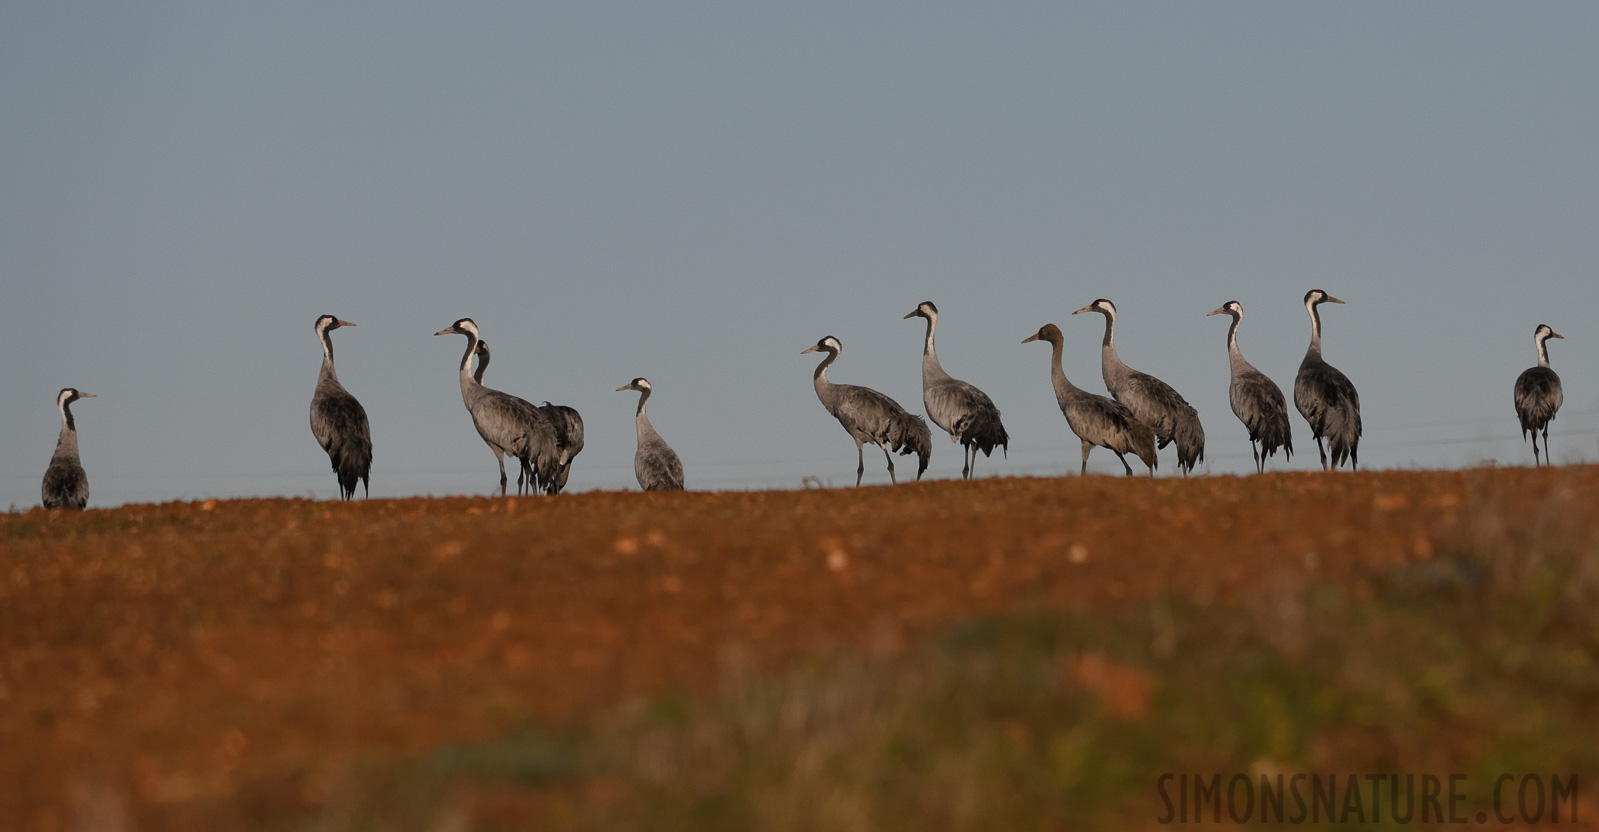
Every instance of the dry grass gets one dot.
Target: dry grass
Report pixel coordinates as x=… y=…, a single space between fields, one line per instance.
x=1006 y=654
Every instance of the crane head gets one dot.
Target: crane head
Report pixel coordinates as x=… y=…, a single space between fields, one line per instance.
x=68 y=395
x=1543 y=333
x=925 y=309
x=1232 y=307
x=1102 y=306
x=828 y=344
x=328 y=323
x=640 y=384
x=1315 y=296
x=1047 y=332
x=465 y=326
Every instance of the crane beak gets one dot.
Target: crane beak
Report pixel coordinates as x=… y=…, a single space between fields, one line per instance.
x=812 y=349
x=345 y=323
x=444 y=332
x=1029 y=339
x=91 y=395
x=1553 y=334
x=1331 y=299
x=1221 y=311
x=1088 y=308
x=623 y=387
x=911 y=315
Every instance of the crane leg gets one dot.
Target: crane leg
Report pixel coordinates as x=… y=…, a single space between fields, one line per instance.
x=1087 y=446
x=498 y=457
x=890 y=465
x=1535 y=461
x=1259 y=467
x=1323 y=452
x=1123 y=458
x=860 y=468
x=1546 y=454
x=966 y=467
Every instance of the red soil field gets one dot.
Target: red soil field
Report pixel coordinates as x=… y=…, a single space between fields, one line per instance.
x=232 y=653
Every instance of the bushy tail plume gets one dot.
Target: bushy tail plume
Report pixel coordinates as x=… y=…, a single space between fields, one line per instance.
x=352 y=461
x=983 y=430
x=1190 y=438
x=909 y=434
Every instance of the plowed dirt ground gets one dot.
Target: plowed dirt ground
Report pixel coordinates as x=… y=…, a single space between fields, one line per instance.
x=192 y=655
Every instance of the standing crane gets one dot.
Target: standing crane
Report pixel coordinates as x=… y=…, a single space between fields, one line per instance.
x=870 y=416
x=1153 y=401
x=654 y=464
x=65 y=484
x=565 y=421
x=1257 y=401
x=1096 y=419
x=508 y=425
x=338 y=421
x=1325 y=396
x=963 y=411
x=1538 y=394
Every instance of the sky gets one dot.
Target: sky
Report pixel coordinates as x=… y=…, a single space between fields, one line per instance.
x=695 y=192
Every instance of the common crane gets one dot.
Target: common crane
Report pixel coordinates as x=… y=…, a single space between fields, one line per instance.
x=65 y=484
x=963 y=411
x=508 y=425
x=1153 y=401
x=1538 y=394
x=565 y=421
x=870 y=416
x=1096 y=419
x=1257 y=401
x=1325 y=396
x=654 y=464
x=338 y=421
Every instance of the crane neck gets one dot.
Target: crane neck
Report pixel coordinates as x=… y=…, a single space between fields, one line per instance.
x=1543 y=349
x=641 y=419
x=468 y=382
x=482 y=364
x=1233 y=353
x=1063 y=385
x=1315 y=328
x=824 y=388
x=326 y=338
x=930 y=366
x=1108 y=358
x=67 y=445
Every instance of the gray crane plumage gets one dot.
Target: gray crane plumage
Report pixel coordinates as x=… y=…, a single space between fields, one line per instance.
x=870 y=417
x=65 y=483
x=568 y=440
x=566 y=423
x=1095 y=419
x=654 y=464
x=1538 y=394
x=1326 y=397
x=338 y=421
x=1153 y=401
x=508 y=425
x=961 y=410
x=1257 y=401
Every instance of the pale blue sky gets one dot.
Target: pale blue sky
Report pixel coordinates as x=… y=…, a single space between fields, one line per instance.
x=695 y=192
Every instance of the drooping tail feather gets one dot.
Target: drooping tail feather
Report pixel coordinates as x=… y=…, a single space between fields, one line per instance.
x=982 y=429
x=909 y=434
x=352 y=461
x=1190 y=438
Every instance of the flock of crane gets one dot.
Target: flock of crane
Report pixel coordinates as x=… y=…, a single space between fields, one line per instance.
x=1142 y=413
